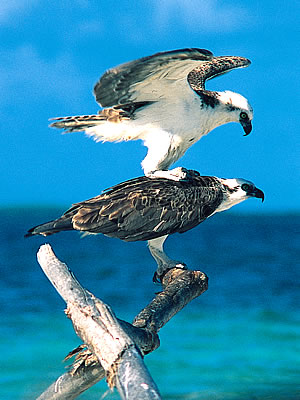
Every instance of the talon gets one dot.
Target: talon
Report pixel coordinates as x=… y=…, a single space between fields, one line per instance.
x=158 y=276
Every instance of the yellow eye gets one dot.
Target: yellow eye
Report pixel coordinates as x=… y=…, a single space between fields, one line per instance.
x=243 y=115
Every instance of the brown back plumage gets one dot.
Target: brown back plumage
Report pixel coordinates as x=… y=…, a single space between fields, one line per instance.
x=142 y=209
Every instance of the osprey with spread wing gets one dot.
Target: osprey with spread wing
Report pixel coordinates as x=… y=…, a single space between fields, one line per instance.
x=162 y=100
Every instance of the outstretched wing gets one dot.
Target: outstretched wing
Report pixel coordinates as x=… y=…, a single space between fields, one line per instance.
x=148 y=78
x=146 y=208
x=162 y=76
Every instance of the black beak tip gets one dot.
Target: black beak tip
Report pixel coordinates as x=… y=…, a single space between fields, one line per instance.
x=260 y=195
x=247 y=129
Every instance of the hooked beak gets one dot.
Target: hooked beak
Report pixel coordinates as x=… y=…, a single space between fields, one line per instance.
x=259 y=194
x=247 y=126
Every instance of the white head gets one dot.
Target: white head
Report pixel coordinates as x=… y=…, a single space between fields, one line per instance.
x=236 y=109
x=237 y=190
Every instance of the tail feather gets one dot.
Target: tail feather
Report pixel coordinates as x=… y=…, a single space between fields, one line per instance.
x=77 y=123
x=49 y=228
x=83 y=122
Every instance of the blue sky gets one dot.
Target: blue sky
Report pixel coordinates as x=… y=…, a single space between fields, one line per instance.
x=52 y=54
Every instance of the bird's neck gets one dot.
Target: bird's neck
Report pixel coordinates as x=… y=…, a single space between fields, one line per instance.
x=211 y=118
x=228 y=203
x=231 y=195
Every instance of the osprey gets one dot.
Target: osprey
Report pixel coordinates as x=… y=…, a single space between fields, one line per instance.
x=150 y=209
x=162 y=100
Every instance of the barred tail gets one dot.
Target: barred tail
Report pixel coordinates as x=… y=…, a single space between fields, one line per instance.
x=78 y=123
x=110 y=125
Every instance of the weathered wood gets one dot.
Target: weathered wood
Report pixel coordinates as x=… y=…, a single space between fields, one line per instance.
x=180 y=287
x=70 y=385
x=95 y=323
x=118 y=344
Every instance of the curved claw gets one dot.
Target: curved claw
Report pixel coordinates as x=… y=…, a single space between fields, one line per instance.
x=156 y=278
x=160 y=273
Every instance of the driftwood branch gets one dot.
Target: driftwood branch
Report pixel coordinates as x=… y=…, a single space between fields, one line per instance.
x=115 y=347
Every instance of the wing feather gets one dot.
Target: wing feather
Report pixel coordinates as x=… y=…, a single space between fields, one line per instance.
x=163 y=75
x=217 y=66
x=147 y=78
x=146 y=208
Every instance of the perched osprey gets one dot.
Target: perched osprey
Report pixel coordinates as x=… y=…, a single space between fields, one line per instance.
x=162 y=100
x=150 y=209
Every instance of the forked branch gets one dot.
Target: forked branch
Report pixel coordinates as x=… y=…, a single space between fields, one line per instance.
x=115 y=347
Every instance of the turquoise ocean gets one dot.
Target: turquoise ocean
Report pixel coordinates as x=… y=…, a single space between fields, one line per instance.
x=240 y=340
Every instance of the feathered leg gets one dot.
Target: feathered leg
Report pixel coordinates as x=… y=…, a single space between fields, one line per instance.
x=114 y=125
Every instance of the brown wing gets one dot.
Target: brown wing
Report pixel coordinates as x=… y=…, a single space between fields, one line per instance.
x=146 y=208
x=141 y=209
x=210 y=69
